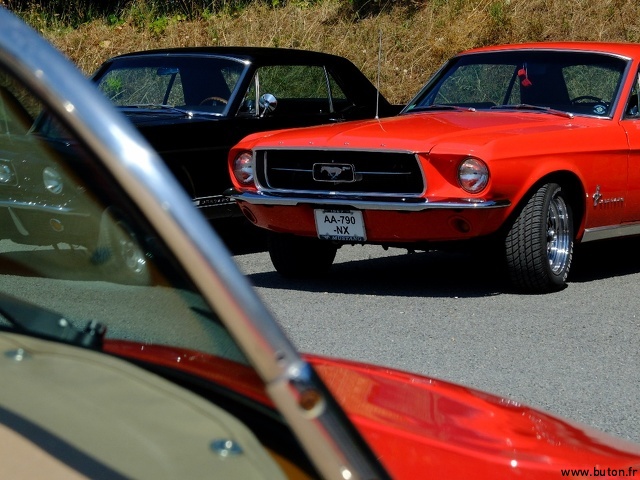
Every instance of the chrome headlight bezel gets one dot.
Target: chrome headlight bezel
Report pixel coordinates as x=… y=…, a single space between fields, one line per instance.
x=52 y=180
x=243 y=169
x=473 y=175
x=7 y=173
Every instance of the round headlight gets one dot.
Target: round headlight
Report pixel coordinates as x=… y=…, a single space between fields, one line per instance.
x=52 y=180
x=6 y=174
x=473 y=175
x=243 y=168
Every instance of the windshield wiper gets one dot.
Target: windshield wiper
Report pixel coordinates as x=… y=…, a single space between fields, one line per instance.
x=154 y=107
x=40 y=322
x=537 y=108
x=158 y=106
x=439 y=106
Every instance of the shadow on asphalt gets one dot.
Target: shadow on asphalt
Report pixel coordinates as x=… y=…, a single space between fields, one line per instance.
x=447 y=274
x=436 y=274
x=240 y=236
x=606 y=259
x=416 y=274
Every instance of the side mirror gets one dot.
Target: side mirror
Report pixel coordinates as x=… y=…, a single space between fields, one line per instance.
x=268 y=103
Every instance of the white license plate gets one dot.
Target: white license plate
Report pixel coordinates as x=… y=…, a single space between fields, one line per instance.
x=344 y=225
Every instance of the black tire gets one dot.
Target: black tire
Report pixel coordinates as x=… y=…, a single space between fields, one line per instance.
x=300 y=257
x=539 y=245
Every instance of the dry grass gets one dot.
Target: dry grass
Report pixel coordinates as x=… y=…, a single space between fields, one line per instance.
x=414 y=44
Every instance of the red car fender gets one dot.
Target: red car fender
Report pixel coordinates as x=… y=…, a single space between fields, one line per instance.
x=424 y=426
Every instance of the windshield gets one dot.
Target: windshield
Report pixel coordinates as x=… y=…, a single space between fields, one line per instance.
x=573 y=82
x=195 y=83
x=71 y=242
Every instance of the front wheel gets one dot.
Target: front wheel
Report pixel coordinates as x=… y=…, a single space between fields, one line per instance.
x=300 y=256
x=539 y=244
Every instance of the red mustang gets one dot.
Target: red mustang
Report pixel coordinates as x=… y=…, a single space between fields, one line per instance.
x=528 y=148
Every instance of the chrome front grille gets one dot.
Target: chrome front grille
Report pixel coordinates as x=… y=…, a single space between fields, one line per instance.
x=340 y=171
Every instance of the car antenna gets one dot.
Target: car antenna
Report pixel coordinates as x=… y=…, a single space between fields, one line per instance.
x=378 y=78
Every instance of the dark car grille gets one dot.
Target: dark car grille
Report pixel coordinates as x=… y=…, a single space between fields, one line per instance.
x=342 y=171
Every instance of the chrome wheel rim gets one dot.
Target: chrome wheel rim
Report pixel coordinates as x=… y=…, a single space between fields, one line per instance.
x=558 y=235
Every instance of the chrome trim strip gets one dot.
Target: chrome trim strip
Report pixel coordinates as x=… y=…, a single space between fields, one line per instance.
x=331 y=149
x=212 y=201
x=18 y=224
x=281 y=193
x=612 y=231
x=19 y=205
x=362 y=204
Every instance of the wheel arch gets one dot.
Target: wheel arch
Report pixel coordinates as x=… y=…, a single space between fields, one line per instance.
x=575 y=193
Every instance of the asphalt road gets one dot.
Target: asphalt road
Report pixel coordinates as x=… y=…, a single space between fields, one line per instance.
x=573 y=353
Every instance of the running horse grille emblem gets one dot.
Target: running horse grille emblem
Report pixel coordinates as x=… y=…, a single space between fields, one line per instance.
x=334 y=172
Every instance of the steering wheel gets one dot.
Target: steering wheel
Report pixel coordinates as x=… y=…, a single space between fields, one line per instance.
x=587 y=97
x=214 y=99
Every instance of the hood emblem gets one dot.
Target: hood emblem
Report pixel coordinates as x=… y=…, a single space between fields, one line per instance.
x=334 y=172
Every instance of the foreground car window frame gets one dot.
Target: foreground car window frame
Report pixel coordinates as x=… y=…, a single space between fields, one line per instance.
x=331 y=441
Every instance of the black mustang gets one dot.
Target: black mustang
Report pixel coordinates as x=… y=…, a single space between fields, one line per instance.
x=194 y=104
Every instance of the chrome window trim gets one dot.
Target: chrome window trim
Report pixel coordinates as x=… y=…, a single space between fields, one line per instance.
x=233 y=94
x=43 y=207
x=535 y=48
x=610 y=231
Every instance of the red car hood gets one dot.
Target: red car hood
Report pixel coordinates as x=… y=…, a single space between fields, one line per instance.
x=419 y=426
x=420 y=132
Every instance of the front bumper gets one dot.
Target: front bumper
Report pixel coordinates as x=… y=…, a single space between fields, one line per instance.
x=404 y=204
x=32 y=223
x=386 y=220
x=217 y=207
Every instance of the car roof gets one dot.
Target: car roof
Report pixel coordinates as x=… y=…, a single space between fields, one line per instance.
x=264 y=54
x=616 y=48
